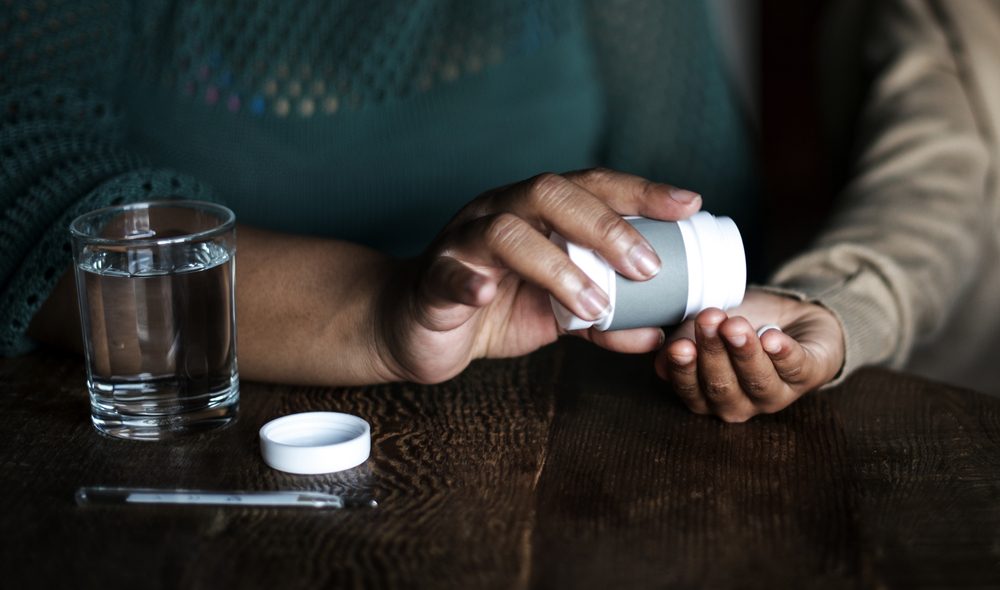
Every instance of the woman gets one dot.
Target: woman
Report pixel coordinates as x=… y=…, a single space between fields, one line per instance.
x=354 y=129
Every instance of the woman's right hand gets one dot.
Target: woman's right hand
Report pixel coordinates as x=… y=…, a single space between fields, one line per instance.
x=482 y=287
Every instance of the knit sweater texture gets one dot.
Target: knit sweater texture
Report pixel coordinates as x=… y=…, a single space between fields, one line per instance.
x=370 y=121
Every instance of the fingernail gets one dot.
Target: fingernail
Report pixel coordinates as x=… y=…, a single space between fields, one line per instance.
x=663 y=339
x=737 y=340
x=772 y=346
x=683 y=196
x=644 y=260
x=595 y=302
x=681 y=358
x=710 y=330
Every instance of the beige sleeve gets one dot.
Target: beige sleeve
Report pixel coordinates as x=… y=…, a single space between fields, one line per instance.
x=903 y=242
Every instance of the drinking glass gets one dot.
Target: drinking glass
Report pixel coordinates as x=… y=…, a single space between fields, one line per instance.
x=156 y=284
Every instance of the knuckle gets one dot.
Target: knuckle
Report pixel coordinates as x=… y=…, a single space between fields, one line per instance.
x=758 y=385
x=687 y=391
x=564 y=272
x=481 y=205
x=647 y=190
x=502 y=228
x=793 y=372
x=545 y=186
x=611 y=228
x=598 y=175
x=718 y=388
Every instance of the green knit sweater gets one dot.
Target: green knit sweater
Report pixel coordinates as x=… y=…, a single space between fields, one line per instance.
x=372 y=121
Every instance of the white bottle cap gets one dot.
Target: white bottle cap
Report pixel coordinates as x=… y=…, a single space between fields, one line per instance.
x=716 y=262
x=315 y=442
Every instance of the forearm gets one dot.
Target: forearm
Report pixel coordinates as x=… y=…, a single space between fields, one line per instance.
x=304 y=307
x=905 y=240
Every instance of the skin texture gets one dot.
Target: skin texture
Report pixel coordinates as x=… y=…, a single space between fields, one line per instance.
x=318 y=311
x=717 y=364
x=481 y=290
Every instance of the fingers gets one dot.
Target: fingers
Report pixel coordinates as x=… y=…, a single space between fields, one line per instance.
x=717 y=378
x=587 y=207
x=789 y=358
x=494 y=244
x=554 y=202
x=756 y=373
x=505 y=232
x=637 y=341
x=679 y=367
x=733 y=372
x=633 y=195
x=726 y=373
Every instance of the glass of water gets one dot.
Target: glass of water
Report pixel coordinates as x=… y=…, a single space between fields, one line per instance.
x=156 y=285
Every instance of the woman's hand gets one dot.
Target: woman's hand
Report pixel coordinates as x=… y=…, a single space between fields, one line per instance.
x=482 y=288
x=718 y=365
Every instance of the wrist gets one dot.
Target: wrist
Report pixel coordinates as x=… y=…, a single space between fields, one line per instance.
x=381 y=298
x=835 y=342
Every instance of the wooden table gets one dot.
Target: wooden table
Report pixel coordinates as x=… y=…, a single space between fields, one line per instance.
x=571 y=468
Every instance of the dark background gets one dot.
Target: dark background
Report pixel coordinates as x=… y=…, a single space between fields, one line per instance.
x=800 y=173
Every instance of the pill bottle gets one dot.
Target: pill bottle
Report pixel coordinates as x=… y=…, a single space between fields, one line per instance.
x=703 y=265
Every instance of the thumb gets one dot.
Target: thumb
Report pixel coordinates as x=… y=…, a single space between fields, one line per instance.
x=788 y=356
x=449 y=293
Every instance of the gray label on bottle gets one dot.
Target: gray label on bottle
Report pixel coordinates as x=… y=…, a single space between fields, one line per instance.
x=662 y=300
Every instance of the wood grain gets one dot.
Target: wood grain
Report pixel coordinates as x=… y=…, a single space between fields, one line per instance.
x=665 y=498
x=452 y=466
x=569 y=468
x=927 y=463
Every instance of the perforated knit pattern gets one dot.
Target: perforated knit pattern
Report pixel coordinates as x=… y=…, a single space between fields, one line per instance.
x=318 y=57
x=42 y=266
x=47 y=40
x=59 y=146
